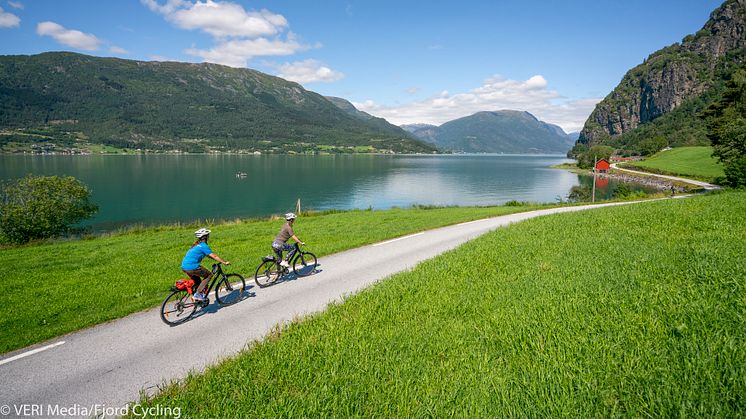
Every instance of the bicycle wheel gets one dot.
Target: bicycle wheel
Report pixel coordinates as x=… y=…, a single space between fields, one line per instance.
x=230 y=289
x=305 y=264
x=267 y=273
x=177 y=308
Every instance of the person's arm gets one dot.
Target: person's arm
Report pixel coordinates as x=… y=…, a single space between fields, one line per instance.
x=297 y=239
x=217 y=258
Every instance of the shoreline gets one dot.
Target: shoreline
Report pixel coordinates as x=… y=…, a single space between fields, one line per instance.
x=650 y=180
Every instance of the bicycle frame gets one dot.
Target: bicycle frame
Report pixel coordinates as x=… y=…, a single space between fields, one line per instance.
x=296 y=253
x=217 y=273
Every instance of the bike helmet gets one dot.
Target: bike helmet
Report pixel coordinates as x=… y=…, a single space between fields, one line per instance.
x=202 y=232
x=290 y=216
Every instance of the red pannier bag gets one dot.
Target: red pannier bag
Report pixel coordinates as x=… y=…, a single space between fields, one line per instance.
x=185 y=284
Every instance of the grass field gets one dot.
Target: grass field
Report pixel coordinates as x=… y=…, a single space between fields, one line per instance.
x=693 y=162
x=635 y=311
x=53 y=289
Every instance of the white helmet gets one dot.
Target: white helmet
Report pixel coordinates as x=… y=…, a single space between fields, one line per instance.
x=290 y=216
x=202 y=232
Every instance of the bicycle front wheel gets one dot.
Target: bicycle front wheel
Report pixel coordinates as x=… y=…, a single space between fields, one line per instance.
x=230 y=289
x=267 y=273
x=177 y=308
x=305 y=264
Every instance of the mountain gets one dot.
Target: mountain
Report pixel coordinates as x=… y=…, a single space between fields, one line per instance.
x=69 y=98
x=417 y=127
x=370 y=120
x=495 y=132
x=663 y=97
x=424 y=132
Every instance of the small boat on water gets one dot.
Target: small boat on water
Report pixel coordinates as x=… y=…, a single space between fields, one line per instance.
x=241 y=175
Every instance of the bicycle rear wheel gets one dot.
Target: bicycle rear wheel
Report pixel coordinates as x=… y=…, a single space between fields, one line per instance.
x=177 y=308
x=305 y=264
x=267 y=273
x=230 y=289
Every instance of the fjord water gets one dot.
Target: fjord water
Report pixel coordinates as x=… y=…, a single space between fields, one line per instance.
x=153 y=189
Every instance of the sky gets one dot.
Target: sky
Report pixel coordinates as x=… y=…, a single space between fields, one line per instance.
x=406 y=61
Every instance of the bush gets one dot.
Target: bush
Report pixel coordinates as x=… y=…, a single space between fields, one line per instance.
x=650 y=146
x=39 y=207
x=735 y=173
x=597 y=152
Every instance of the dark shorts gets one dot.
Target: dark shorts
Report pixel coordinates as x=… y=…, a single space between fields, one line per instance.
x=197 y=275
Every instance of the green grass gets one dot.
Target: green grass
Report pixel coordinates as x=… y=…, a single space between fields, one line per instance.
x=634 y=311
x=694 y=162
x=53 y=289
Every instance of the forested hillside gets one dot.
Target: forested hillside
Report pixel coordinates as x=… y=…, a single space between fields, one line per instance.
x=70 y=98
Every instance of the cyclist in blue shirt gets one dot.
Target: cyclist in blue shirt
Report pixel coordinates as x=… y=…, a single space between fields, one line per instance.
x=191 y=263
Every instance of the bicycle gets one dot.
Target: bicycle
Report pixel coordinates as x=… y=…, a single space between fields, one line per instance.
x=180 y=305
x=270 y=270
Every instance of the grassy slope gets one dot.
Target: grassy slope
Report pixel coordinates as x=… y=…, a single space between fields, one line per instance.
x=696 y=162
x=636 y=311
x=58 y=288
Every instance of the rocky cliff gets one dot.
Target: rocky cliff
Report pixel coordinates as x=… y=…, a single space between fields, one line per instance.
x=671 y=76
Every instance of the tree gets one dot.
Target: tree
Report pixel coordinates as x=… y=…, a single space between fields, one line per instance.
x=652 y=145
x=727 y=129
x=587 y=158
x=39 y=207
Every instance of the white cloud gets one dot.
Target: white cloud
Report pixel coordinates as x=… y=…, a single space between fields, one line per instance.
x=168 y=8
x=237 y=53
x=15 y=4
x=219 y=19
x=117 y=50
x=308 y=71
x=68 y=37
x=495 y=93
x=239 y=35
x=8 y=20
x=228 y=20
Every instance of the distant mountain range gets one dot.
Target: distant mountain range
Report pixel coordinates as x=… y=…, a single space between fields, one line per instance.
x=503 y=131
x=71 y=99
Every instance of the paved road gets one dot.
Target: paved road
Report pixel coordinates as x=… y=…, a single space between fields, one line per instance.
x=705 y=185
x=111 y=364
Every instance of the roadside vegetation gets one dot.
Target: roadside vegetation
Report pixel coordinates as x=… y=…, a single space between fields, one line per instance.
x=55 y=288
x=624 y=311
x=39 y=207
x=692 y=162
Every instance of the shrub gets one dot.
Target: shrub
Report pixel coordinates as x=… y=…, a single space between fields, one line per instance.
x=597 y=152
x=39 y=207
x=735 y=173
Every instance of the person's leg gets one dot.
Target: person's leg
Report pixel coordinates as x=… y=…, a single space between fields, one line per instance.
x=277 y=248
x=194 y=276
x=291 y=252
x=203 y=273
